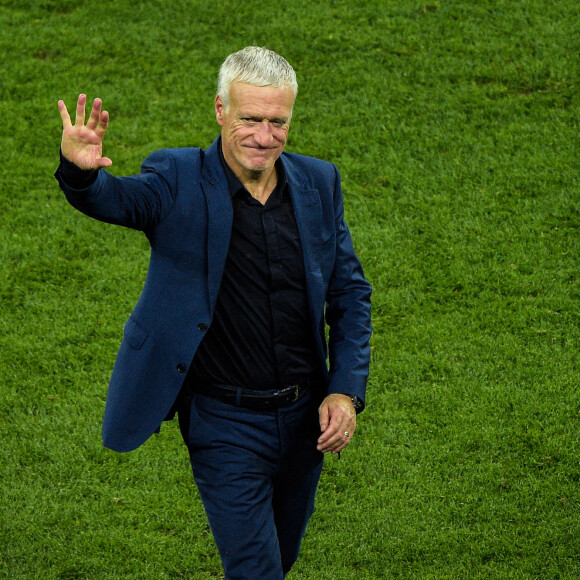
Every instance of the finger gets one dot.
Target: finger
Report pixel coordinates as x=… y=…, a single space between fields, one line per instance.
x=66 y=122
x=329 y=413
x=80 y=118
x=337 y=444
x=95 y=115
x=330 y=431
x=345 y=437
x=339 y=449
x=324 y=417
x=341 y=437
x=339 y=420
x=105 y=162
x=340 y=428
x=332 y=447
x=101 y=128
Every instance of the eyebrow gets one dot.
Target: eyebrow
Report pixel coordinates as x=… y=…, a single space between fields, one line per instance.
x=258 y=118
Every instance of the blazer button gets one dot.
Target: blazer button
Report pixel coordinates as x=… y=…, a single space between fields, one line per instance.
x=180 y=368
x=202 y=327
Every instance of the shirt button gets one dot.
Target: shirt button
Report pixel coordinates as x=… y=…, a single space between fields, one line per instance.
x=202 y=327
x=180 y=368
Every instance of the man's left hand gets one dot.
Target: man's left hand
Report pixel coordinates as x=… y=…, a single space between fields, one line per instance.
x=337 y=422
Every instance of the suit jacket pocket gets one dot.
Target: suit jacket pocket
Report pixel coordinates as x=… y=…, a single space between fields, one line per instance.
x=135 y=334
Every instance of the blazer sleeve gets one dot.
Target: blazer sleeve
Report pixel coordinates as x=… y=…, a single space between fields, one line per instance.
x=138 y=202
x=348 y=312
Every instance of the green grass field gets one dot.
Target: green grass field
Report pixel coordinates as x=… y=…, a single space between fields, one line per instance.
x=454 y=124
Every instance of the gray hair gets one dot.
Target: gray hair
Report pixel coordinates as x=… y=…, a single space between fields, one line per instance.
x=255 y=66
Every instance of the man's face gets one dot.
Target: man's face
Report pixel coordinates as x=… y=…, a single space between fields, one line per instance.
x=255 y=127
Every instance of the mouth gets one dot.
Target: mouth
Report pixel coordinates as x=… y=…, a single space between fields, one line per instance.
x=258 y=148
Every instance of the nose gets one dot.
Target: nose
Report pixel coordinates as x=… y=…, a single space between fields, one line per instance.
x=264 y=135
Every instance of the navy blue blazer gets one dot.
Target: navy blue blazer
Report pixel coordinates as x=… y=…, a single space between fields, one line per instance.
x=181 y=201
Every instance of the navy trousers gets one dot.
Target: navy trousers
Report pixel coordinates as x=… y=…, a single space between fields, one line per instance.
x=257 y=472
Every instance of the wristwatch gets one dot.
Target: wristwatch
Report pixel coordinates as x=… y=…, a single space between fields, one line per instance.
x=356 y=403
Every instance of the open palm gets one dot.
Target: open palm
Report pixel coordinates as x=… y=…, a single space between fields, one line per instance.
x=83 y=144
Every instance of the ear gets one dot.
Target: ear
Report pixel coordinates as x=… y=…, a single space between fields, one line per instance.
x=219 y=110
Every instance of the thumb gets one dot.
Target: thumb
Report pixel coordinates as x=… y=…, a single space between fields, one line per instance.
x=105 y=162
x=324 y=416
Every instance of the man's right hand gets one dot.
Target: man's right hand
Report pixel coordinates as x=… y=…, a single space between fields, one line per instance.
x=83 y=144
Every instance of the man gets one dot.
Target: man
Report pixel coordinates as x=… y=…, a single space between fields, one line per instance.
x=249 y=255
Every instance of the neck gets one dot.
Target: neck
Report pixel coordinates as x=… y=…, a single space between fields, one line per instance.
x=260 y=184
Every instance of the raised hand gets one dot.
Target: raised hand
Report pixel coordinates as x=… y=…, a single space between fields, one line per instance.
x=83 y=144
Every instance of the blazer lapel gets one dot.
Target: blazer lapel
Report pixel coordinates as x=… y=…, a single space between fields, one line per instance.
x=308 y=213
x=220 y=217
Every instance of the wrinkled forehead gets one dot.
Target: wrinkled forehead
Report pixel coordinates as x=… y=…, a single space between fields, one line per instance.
x=247 y=96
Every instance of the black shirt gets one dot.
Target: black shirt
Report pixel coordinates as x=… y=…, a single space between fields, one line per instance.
x=261 y=336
